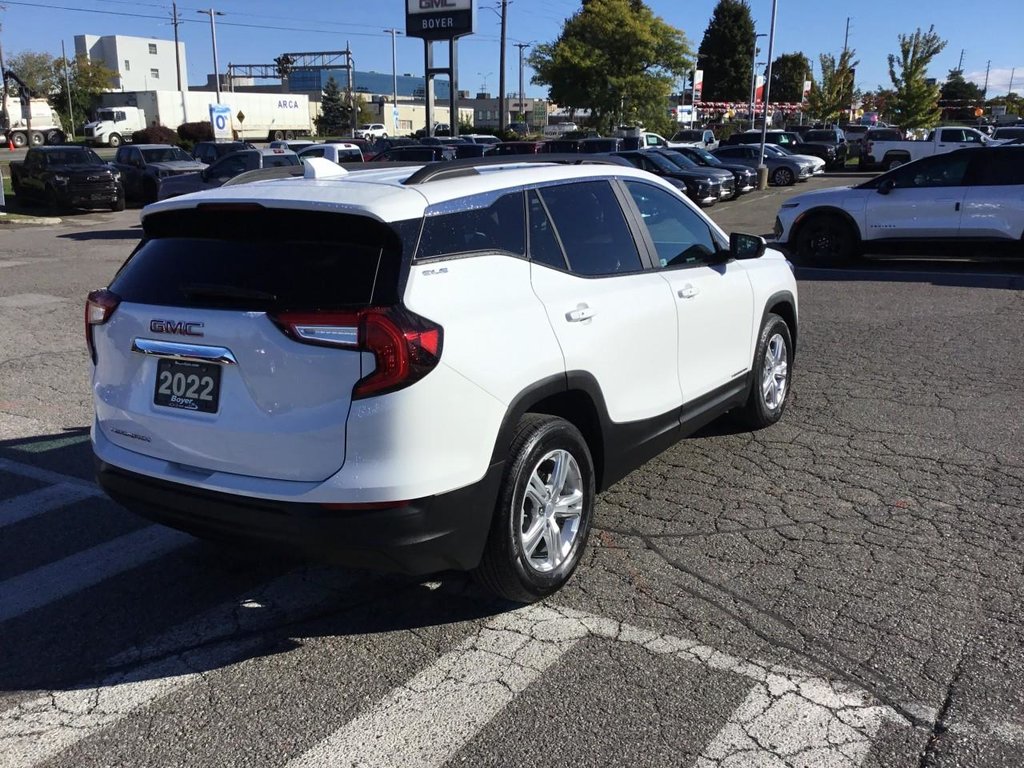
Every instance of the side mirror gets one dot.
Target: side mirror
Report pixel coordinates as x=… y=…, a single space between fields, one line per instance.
x=886 y=186
x=743 y=246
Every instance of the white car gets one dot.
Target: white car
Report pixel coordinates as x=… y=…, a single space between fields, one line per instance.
x=426 y=368
x=961 y=200
x=371 y=131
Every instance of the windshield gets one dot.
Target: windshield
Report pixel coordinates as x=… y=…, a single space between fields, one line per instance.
x=826 y=136
x=104 y=114
x=705 y=157
x=73 y=156
x=665 y=163
x=165 y=155
x=679 y=159
x=689 y=136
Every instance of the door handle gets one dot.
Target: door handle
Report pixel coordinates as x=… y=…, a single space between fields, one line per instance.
x=688 y=291
x=581 y=313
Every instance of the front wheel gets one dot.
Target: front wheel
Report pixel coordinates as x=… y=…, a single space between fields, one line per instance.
x=544 y=511
x=783 y=177
x=118 y=204
x=825 y=240
x=114 y=141
x=772 y=372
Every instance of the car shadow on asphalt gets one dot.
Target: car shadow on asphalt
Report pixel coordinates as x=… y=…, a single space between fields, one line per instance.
x=129 y=233
x=1006 y=274
x=128 y=626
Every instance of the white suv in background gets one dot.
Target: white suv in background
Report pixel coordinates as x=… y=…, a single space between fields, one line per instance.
x=967 y=199
x=426 y=369
x=371 y=131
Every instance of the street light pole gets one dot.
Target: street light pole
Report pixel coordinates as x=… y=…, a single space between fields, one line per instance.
x=753 y=76
x=213 y=34
x=522 y=108
x=762 y=171
x=394 y=77
x=502 y=124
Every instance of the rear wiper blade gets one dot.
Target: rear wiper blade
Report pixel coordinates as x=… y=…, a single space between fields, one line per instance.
x=231 y=292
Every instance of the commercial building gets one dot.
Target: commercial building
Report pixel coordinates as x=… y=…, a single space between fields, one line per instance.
x=140 y=63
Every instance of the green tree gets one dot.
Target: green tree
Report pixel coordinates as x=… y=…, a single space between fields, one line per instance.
x=833 y=93
x=616 y=58
x=726 y=51
x=915 y=103
x=789 y=71
x=334 y=112
x=88 y=79
x=37 y=70
x=960 y=91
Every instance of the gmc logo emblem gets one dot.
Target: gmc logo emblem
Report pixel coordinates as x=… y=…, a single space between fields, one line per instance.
x=429 y=5
x=180 y=328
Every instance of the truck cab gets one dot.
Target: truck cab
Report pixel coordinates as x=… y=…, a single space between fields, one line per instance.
x=114 y=126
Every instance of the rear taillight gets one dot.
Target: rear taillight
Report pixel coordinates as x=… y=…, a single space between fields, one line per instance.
x=99 y=306
x=406 y=347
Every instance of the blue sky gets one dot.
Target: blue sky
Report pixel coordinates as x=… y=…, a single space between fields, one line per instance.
x=993 y=33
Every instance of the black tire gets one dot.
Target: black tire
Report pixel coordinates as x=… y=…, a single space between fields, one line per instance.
x=55 y=137
x=52 y=201
x=783 y=177
x=506 y=569
x=36 y=138
x=19 y=139
x=894 y=162
x=826 y=240
x=277 y=135
x=118 y=204
x=114 y=141
x=150 y=191
x=758 y=413
x=289 y=135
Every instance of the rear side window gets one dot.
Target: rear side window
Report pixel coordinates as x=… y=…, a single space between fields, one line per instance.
x=999 y=168
x=264 y=260
x=592 y=228
x=487 y=225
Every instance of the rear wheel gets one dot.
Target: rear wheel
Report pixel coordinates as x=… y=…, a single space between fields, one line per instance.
x=289 y=135
x=19 y=139
x=37 y=138
x=277 y=135
x=544 y=511
x=52 y=201
x=826 y=239
x=772 y=371
x=894 y=162
x=783 y=177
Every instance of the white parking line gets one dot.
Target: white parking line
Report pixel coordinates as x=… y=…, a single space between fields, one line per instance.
x=48 y=583
x=37 y=502
x=42 y=728
x=424 y=722
x=46 y=476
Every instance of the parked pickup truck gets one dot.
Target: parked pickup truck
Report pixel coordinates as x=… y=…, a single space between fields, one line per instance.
x=67 y=177
x=704 y=138
x=226 y=168
x=144 y=167
x=892 y=154
x=336 y=153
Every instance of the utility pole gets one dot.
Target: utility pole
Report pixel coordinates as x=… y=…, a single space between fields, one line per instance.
x=762 y=170
x=353 y=113
x=177 y=53
x=984 y=91
x=960 y=66
x=67 y=87
x=522 y=108
x=394 y=78
x=846 y=37
x=213 y=34
x=1010 y=89
x=502 y=123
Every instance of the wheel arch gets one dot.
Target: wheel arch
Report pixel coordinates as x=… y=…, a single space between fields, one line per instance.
x=824 y=210
x=783 y=304
x=575 y=397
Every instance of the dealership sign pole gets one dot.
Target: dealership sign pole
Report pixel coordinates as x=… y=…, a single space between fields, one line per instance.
x=433 y=20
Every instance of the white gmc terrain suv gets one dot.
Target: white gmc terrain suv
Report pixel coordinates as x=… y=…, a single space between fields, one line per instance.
x=431 y=368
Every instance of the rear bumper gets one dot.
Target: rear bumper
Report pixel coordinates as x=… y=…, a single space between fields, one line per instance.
x=437 y=533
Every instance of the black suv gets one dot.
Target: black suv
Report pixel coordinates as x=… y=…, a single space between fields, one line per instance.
x=792 y=142
x=833 y=137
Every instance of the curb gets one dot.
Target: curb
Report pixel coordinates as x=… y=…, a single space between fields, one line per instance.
x=16 y=219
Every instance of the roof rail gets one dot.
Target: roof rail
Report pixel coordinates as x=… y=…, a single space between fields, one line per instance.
x=468 y=167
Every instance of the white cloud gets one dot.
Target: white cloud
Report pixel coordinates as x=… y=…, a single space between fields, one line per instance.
x=998 y=80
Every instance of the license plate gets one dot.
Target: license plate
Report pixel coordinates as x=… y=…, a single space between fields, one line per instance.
x=187 y=385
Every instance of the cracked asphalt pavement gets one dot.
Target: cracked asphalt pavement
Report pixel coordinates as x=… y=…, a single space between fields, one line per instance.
x=841 y=589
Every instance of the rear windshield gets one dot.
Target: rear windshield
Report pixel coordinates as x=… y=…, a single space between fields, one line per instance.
x=689 y=136
x=264 y=259
x=828 y=136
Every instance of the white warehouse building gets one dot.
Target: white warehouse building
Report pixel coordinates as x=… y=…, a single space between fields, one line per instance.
x=141 y=63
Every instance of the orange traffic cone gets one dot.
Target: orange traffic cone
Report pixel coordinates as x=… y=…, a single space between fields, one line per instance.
x=10 y=144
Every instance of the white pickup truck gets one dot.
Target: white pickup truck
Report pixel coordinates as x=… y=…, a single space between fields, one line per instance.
x=891 y=154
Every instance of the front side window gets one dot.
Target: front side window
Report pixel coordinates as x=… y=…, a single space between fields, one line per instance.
x=494 y=225
x=680 y=235
x=938 y=171
x=544 y=245
x=951 y=134
x=592 y=228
